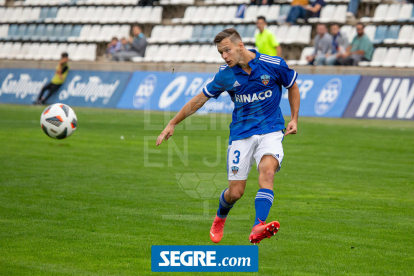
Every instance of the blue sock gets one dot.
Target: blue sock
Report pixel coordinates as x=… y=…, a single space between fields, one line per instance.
x=262 y=203
x=224 y=207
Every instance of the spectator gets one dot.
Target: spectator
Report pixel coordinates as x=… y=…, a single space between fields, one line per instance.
x=62 y=70
x=138 y=45
x=143 y=3
x=360 y=49
x=266 y=42
x=323 y=44
x=261 y=2
x=353 y=8
x=113 y=47
x=125 y=46
x=304 y=11
x=339 y=45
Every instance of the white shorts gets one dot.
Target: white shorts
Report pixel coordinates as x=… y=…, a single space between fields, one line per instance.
x=242 y=154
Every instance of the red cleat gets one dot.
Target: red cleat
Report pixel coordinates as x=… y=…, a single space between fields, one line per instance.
x=263 y=230
x=216 y=231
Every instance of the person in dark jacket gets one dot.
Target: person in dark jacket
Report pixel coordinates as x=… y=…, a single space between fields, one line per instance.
x=138 y=44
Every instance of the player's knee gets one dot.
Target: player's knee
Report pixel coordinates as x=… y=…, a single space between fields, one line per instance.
x=269 y=175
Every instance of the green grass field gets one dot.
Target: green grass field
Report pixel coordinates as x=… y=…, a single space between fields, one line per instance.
x=93 y=204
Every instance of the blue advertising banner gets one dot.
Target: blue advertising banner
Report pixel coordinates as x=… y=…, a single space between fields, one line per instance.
x=21 y=86
x=204 y=258
x=382 y=98
x=322 y=95
x=169 y=92
x=92 y=88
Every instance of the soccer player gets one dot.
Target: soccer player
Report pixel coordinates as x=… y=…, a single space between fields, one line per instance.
x=254 y=82
x=62 y=70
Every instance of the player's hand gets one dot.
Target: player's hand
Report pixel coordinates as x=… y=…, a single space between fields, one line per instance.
x=292 y=128
x=165 y=134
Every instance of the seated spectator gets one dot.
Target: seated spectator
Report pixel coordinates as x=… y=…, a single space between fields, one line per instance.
x=323 y=44
x=360 y=49
x=125 y=46
x=138 y=45
x=339 y=45
x=261 y=2
x=113 y=47
x=353 y=8
x=266 y=41
x=305 y=11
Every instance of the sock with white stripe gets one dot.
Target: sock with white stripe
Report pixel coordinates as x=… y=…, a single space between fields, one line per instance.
x=262 y=203
x=224 y=207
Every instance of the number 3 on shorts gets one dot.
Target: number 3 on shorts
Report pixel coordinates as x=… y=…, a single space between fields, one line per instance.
x=237 y=156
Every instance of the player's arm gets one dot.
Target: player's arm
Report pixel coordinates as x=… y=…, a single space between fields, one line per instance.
x=188 y=109
x=294 y=101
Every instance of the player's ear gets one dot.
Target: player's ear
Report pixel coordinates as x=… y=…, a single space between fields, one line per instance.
x=240 y=45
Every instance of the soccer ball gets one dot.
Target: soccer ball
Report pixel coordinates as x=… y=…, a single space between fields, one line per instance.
x=58 y=121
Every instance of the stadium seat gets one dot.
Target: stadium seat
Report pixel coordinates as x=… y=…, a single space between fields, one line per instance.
x=380 y=34
x=7 y=15
x=340 y=14
x=78 y=53
x=126 y=14
x=249 y=15
x=74 y=33
x=370 y=32
x=206 y=34
x=292 y=35
x=93 y=33
x=29 y=32
x=197 y=31
x=83 y=35
x=4 y=29
x=51 y=51
x=104 y=34
x=16 y=14
x=198 y=15
x=170 y=54
x=124 y=31
x=43 y=14
x=403 y=36
x=155 y=34
x=52 y=13
x=56 y=33
x=192 y=53
x=181 y=53
x=25 y=15
x=96 y=15
x=61 y=14
x=379 y=15
x=150 y=53
x=21 y=30
x=377 y=58
x=166 y=32
x=307 y=51
x=208 y=15
x=61 y=48
x=39 y=31
x=155 y=15
x=161 y=53
x=404 y=57
x=392 y=34
x=241 y=29
x=107 y=15
x=391 y=57
x=411 y=61
x=282 y=33
x=34 y=15
x=71 y=49
x=90 y=53
x=186 y=33
x=202 y=54
x=42 y=51
x=78 y=16
x=116 y=15
x=273 y=13
x=33 y=50
x=304 y=36
x=284 y=10
x=14 y=50
x=392 y=13
x=327 y=15
x=175 y=34
x=405 y=13
x=24 y=50
x=5 y=50
x=66 y=32
x=249 y=33
x=188 y=14
x=229 y=14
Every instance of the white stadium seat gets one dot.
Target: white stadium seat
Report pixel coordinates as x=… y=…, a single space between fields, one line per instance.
x=33 y=50
x=14 y=50
x=61 y=48
x=192 y=53
x=404 y=57
x=5 y=50
x=181 y=53
x=150 y=53
x=377 y=58
x=125 y=15
x=369 y=31
x=202 y=54
x=391 y=57
x=291 y=35
x=304 y=36
x=43 y=49
x=208 y=15
x=52 y=50
x=170 y=54
x=403 y=36
x=307 y=51
x=392 y=13
x=379 y=15
x=161 y=53
x=23 y=51
x=175 y=34
x=84 y=34
x=405 y=12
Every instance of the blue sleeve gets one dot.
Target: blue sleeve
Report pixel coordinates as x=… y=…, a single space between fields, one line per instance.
x=287 y=76
x=214 y=88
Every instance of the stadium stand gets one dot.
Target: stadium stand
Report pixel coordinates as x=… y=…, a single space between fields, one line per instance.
x=183 y=30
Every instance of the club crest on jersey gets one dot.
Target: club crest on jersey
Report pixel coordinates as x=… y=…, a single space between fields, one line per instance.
x=234 y=169
x=265 y=79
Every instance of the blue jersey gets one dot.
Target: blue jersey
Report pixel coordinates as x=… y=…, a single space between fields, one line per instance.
x=256 y=96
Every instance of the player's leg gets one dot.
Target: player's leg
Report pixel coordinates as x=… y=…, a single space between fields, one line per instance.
x=40 y=98
x=269 y=156
x=239 y=163
x=52 y=89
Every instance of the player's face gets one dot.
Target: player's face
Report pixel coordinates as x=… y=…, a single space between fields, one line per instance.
x=229 y=52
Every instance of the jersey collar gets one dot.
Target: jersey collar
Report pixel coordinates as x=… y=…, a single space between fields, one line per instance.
x=253 y=63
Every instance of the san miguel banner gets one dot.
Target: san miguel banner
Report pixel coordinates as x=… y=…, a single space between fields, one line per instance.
x=92 y=88
x=321 y=95
x=169 y=92
x=21 y=86
x=382 y=98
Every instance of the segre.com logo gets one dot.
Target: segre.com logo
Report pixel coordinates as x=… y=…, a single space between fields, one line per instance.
x=204 y=258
